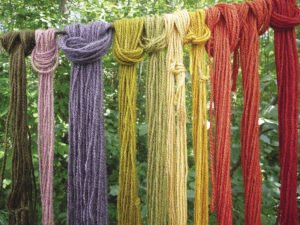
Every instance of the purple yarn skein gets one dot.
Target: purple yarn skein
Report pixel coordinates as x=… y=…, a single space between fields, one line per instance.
x=87 y=179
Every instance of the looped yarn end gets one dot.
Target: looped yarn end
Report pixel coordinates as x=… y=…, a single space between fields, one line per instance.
x=82 y=48
x=45 y=55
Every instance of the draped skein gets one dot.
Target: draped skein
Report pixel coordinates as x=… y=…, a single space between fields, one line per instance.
x=198 y=35
x=254 y=20
x=44 y=60
x=176 y=25
x=285 y=17
x=84 y=45
x=223 y=22
x=21 y=199
x=128 y=52
x=154 y=43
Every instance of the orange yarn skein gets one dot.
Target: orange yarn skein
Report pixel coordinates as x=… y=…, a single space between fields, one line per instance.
x=254 y=20
x=223 y=21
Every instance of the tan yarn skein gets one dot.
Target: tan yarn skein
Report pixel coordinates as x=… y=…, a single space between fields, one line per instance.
x=176 y=27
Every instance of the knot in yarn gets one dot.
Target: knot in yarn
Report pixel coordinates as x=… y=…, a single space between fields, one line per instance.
x=223 y=16
x=202 y=76
x=19 y=210
x=155 y=35
x=45 y=54
x=127 y=44
x=194 y=39
x=11 y=41
x=177 y=68
x=261 y=10
x=284 y=18
x=86 y=43
x=128 y=56
x=197 y=34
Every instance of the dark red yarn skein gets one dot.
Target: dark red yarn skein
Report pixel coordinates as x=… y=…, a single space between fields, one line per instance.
x=285 y=16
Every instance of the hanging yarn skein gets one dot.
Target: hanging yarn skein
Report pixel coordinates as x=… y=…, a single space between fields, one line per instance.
x=128 y=53
x=198 y=35
x=285 y=17
x=84 y=45
x=21 y=199
x=176 y=26
x=157 y=182
x=44 y=60
x=223 y=22
x=254 y=20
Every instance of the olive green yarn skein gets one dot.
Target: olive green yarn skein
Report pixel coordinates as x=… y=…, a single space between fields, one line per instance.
x=154 y=42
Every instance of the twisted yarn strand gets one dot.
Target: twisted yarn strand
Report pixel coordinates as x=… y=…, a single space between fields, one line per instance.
x=84 y=45
x=198 y=35
x=21 y=199
x=154 y=43
x=223 y=21
x=128 y=53
x=176 y=25
x=44 y=61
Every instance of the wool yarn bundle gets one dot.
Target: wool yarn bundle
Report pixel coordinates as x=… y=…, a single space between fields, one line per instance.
x=21 y=199
x=84 y=45
x=128 y=52
x=157 y=182
x=254 y=20
x=44 y=60
x=176 y=26
x=223 y=22
x=229 y=32
x=285 y=17
x=198 y=35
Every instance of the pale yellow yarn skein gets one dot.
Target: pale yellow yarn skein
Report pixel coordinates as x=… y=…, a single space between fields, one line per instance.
x=176 y=26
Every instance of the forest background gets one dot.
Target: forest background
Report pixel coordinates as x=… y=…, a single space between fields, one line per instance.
x=34 y=14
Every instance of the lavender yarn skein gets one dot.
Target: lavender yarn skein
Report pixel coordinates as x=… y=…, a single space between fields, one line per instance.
x=87 y=179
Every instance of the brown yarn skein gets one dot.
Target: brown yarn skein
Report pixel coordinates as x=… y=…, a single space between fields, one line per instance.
x=21 y=199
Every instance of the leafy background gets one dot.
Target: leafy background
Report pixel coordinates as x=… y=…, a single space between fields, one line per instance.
x=33 y=14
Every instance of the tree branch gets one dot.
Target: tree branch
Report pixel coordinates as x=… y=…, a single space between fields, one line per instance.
x=63 y=8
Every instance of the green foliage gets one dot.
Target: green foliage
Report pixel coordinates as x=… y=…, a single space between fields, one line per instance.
x=33 y=14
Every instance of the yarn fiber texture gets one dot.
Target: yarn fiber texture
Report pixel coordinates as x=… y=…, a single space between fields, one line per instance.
x=285 y=17
x=84 y=45
x=128 y=52
x=154 y=41
x=21 y=199
x=223 y=21
x=197 y=36
x=44 y=60
x=176 y=26
x=254 y=20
